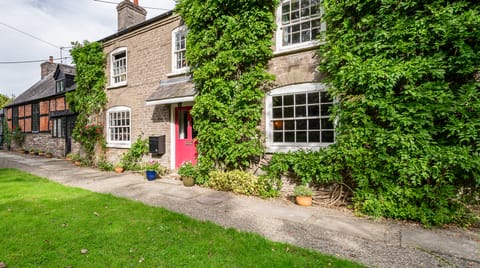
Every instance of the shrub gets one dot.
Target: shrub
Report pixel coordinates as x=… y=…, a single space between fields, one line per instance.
x=105 y=165
x=240 y=182
x=131 y=159
x=187 y=169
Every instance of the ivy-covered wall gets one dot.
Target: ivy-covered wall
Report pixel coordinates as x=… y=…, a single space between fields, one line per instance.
x=228 y=48
x=406 y=74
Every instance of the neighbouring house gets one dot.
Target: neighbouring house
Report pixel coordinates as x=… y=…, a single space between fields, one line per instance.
x=41 y=112
x=150 y=93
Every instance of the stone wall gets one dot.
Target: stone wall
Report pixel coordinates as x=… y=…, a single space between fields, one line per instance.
x=46 y=143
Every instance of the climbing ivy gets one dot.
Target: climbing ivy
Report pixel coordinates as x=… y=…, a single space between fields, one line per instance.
x=228 y=48
x=407 y=77
x=89 y=98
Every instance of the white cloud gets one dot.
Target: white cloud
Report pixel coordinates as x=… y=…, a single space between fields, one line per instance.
x=58 y=22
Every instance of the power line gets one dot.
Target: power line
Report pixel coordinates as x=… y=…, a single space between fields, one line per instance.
x=30 y=61
x=28 y=34
x=116 y=3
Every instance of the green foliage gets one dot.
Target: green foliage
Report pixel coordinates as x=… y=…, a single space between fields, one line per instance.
x=131 y=159
x=89 y=98
x=4 y=100
x=406 y=74
x=302 y=190
x=228 y=48
x=188 y=170
x=306 y=166
x=105 y=165
x=18 y=136
x=7 y=134
x=240 y=182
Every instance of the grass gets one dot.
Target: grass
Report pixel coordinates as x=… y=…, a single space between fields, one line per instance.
x=45 y=224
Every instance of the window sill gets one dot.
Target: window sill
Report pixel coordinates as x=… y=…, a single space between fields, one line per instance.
x=285 y=148
x=178 y=73
x=117 y=86
x=296 y=48
x=119 y=145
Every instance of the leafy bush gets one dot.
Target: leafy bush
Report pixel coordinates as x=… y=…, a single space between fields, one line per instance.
x=187 y=169
x=105 y=165
x=407 y=79
x=131 y=159
x=240 y=182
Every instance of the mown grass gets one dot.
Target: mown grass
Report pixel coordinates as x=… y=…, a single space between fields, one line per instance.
x=45 y=224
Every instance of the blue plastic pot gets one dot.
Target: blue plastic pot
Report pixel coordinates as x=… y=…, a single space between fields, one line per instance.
x=151 y=175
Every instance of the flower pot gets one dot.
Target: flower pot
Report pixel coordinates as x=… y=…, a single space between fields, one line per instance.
x=188 y=181
x=48 y=155
x=118 y=169
x=305 y=201
x=151 y=175
x=78 y=163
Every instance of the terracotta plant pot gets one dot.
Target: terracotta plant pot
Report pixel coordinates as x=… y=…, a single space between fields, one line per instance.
x=305 y=201
x=118 y=169
x=78 y=163
x=48 y=155
x=188 y=181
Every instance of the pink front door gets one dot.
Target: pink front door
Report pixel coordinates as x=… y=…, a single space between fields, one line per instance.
x=184 y=137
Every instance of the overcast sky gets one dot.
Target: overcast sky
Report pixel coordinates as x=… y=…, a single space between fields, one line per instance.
x=58 y=23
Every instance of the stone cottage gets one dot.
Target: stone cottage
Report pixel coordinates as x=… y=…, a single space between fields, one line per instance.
x=150 y=93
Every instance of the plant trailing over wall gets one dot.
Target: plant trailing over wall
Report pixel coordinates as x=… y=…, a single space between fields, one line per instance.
x=7 y=134
x=18 y=136
x=407 y=74
x=89 y=99
x=131 y=159
x=228 y=48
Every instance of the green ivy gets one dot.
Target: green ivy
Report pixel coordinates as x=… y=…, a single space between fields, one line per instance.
x=407 y=77
x=89 y=98
x=132 y=158
x=228 y=48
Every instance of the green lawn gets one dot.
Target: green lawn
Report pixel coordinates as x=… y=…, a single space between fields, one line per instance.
x=45 y=224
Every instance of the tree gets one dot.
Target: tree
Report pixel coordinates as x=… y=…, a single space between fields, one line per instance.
x=406 y=74
x=4 y=100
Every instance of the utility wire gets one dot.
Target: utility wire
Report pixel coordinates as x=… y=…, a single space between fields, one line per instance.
x=116 y=3
x=31 y=61
x=31 y=35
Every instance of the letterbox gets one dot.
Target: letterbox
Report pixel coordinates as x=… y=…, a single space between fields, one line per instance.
x=157 y=144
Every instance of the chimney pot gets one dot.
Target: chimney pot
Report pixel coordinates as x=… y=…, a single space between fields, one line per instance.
x=50 y=59
x=135 y=2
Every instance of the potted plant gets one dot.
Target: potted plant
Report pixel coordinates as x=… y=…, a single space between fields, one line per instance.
x=188 y=173
x=151 y=169
x=41 y=153
x=303 y=195
x=69 y=156
x=48 y=154
x=32 y=151
x=119 y=168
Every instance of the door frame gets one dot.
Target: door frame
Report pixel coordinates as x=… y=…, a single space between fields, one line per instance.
x=173 y=154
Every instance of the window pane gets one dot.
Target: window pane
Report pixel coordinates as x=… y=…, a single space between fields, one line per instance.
x=301 y=124
x=277 y=101
x=288 y=100
x=314 y=124
x=277 y=112
x=288 y=112
x=325 y=97
x=313 y=98
x=300 y=99
x=313 y=110
x=327 y=136
x=278 y=125
x=300 y=111
x=277 y=137
x=289 y=124
x=289 y=136
x=327 y=123
x=302 y=136
x=314 y=136
x=325 y=109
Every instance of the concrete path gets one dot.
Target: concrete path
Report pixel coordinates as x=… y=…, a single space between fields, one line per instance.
x=375 y=243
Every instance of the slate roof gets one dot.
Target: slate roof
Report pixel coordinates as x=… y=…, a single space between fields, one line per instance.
x=173 y=88
x=44 y=88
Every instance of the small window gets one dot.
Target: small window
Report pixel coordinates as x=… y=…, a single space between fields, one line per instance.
x=179 y=49
x=118 y=127
x=35 y=117
x=299 y=23
x=14 y=117
x=119 y=67
x=58 y=130
x=299 y=117
x=60 y=86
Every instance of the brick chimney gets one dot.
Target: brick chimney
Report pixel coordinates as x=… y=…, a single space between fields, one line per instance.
x=47 y=67
x=130 y=14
